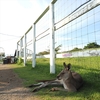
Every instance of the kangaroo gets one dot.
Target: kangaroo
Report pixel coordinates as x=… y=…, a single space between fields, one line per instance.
x=71 y=81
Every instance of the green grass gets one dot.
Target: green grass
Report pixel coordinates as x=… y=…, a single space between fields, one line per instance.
x=88 y=67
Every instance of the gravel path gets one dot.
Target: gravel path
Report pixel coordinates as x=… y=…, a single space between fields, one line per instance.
x=11 y=87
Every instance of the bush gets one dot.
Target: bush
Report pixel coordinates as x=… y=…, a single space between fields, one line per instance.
x=19 y=61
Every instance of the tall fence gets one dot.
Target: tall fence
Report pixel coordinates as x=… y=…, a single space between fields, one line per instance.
x=66 y=28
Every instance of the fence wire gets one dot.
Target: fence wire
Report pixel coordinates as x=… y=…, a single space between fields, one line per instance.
x=79 y=37
x=76 y=36
x=80 y=32
x=42 y=35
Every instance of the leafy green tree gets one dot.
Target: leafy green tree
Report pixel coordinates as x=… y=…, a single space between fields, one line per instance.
x=92 y=45
x=76 y=49
x=48 y=51
x=57 y=49
x=43 y=53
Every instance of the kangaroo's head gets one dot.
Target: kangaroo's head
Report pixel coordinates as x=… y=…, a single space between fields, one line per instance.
x=65 y=73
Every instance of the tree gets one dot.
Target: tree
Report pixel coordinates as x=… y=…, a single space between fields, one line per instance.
x=76 y=49
x=92 y=45
x=48 y=51
x=43 y=53
x=57 y=49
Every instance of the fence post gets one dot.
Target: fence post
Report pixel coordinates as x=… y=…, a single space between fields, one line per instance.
x=52 y=39
x=17 y=51
x=20 y=48
x=34 y=47
x=24 y=49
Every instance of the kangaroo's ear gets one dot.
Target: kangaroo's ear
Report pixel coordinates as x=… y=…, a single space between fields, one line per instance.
x=64 y=64
x=68 y=66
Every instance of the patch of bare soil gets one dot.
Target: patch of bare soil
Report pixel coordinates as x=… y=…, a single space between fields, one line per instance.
x=11 y=87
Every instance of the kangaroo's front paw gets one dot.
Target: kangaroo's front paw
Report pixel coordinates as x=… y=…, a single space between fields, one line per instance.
x=54 y=89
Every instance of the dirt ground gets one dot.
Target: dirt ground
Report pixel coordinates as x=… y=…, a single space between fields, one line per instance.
x=11 y=87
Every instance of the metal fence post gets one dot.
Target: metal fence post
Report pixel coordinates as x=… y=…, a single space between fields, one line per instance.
x=52 y=39
x=34 y=48
x=24 y=49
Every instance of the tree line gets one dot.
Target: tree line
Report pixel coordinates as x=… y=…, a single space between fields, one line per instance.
x=88 y=46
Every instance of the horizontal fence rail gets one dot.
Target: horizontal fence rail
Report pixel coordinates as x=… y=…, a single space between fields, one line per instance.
x=65 y=29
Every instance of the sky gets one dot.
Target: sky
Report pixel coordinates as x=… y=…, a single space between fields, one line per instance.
x=16 y=16
x=77 y=33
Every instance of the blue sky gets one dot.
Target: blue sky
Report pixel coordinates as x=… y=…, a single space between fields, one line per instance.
x=81 y=31
x=16 y=16
x=78 y=33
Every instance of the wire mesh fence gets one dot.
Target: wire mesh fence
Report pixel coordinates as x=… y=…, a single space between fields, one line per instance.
x=42 y=35
x=81 y=32
x=79 y=37
x=76 y=31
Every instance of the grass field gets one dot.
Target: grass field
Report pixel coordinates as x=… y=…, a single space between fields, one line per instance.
x=88 y=67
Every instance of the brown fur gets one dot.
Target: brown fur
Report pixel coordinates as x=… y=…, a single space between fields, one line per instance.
x=71 y=81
